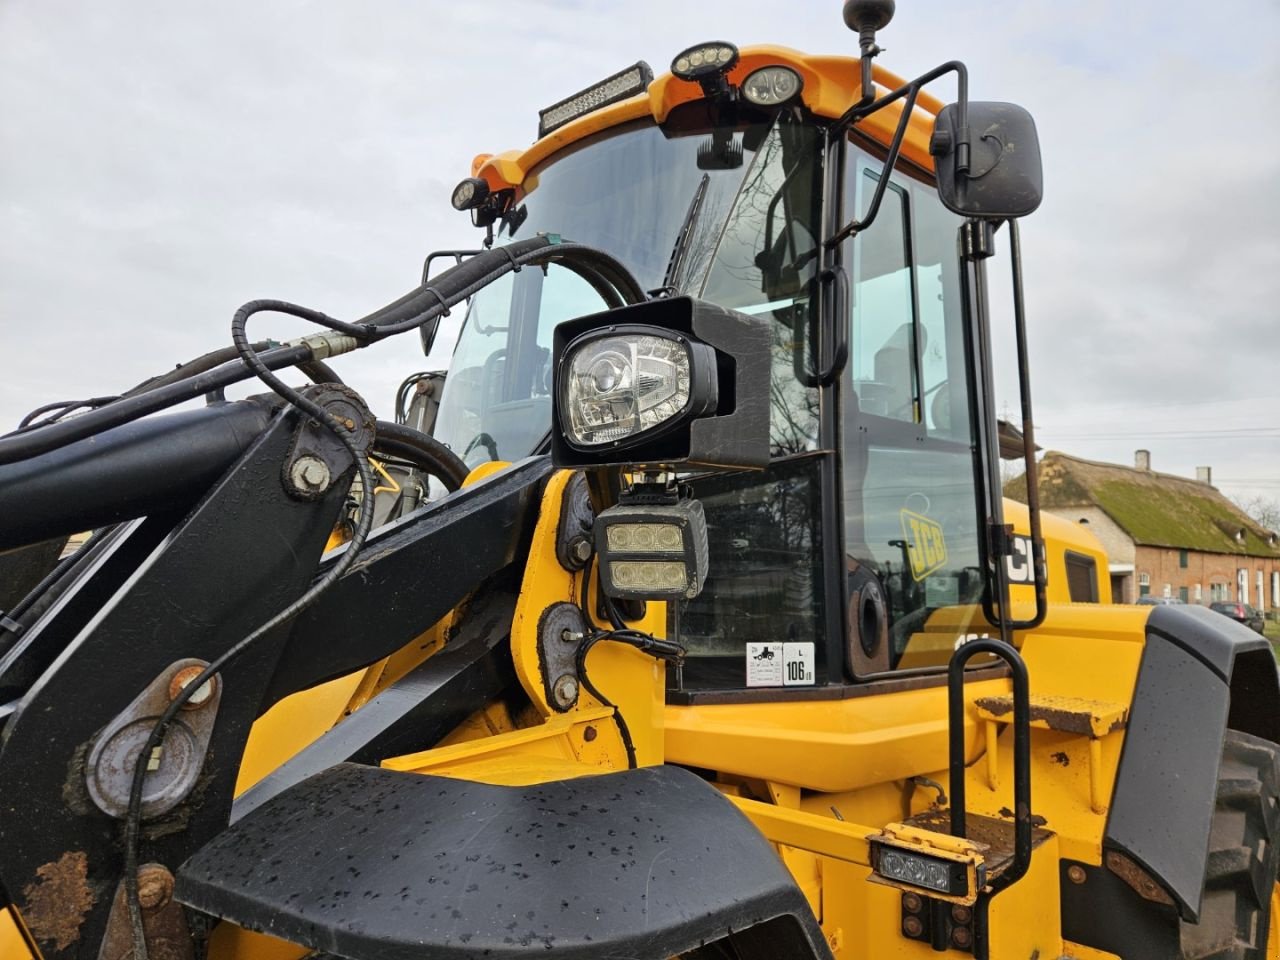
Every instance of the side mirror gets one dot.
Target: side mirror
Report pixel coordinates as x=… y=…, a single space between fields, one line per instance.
x=1002 y=179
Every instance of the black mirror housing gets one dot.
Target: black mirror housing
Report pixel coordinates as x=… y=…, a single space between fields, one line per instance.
x=732 y=432
x=1004 y=179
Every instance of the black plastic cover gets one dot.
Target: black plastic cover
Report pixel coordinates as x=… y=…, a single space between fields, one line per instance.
x=375 y=864
x=1004 y=179
x=1187 y=695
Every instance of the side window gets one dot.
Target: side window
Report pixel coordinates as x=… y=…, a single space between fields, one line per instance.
x=1082 y=578
x=883 y=341
x=497 y=398
x=911 y=526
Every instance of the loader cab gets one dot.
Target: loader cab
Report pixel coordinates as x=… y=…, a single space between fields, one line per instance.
x=856 y=554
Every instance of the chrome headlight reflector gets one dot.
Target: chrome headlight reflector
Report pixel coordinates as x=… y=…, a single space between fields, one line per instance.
x=770 y=86
x=624 y=381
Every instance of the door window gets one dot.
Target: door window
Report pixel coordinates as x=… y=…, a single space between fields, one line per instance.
x=911 y=522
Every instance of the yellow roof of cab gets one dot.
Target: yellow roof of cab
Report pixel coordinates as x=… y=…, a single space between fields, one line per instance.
x=831 y=85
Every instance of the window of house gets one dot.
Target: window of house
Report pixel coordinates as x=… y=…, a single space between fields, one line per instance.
x=1260 y=604
x=1168 y=590
x=1275 y=588
x=1182 y=594
x=1144 y=584
x=1182 y=559
x=1199 y=594
x=1219 y=592
x=1082 y=578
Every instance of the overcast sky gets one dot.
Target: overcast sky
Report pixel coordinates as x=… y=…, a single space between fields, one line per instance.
x=163 y=162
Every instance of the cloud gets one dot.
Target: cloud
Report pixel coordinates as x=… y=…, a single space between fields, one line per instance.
x=161 y=163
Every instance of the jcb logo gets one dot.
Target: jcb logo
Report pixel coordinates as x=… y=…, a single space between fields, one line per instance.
x=926 y=547
x=1018 y=563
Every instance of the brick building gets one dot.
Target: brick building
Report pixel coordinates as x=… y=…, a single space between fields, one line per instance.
x=1164 y=535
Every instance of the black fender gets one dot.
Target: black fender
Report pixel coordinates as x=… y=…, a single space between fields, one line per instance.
x=1200 y=674
x=376 y=864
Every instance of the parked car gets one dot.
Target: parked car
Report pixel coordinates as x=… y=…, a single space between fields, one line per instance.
x=1240 y=612
x=1150 y=601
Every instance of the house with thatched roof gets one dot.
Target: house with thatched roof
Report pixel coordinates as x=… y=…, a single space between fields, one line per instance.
x=1165 y=535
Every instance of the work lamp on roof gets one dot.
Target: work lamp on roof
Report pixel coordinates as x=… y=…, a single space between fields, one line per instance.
x=771 y=86
x=705 y=61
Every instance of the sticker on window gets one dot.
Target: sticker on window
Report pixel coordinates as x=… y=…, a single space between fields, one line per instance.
x=797 y=664
x=764 y=664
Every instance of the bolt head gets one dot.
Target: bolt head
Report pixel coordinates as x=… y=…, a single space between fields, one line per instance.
x=566 y=690
x=961 y=937
x=155 y=886
x=1076 y=874
x=310 y=474
x=179 y=682
x=580 y=549
x=912 y=926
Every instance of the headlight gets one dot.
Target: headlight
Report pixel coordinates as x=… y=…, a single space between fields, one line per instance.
x=770 y=86
x=624 y=381
x=665 y=382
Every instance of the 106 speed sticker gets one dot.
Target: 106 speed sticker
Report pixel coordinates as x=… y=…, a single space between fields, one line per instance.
x=779 y=664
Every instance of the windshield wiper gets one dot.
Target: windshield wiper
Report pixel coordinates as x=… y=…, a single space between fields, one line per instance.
x=683 y=239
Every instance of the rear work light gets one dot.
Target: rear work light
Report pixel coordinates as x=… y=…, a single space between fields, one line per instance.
x=626 y=83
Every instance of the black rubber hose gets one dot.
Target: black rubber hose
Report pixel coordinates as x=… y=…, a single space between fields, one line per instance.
x=317 y=370
x=407 y=313
x=24 y=445
x=423 y=451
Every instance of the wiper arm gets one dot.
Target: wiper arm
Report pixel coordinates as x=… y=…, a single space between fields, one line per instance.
x=683 y=239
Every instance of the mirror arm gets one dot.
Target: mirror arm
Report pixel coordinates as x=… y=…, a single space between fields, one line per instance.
x=1028 y=435
x=910 y=91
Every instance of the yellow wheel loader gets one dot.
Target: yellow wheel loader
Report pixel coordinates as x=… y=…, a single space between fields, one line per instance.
x=690 y=622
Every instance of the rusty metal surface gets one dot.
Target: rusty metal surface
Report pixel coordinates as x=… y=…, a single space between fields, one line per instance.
x=59 y=899
x=1141 y=881
x=163 y=920
x=1089 y=718
x=995 y=834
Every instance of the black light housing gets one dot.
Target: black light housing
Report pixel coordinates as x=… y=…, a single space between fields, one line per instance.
x=652 y=551
x=705 y=61
x=470 y=193
x=623 y=84
x=706 y=373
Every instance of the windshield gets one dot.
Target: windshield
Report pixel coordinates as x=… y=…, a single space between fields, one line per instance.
x=627 y=191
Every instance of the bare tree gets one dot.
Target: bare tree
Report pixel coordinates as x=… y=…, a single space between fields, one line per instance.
x=1265 y=510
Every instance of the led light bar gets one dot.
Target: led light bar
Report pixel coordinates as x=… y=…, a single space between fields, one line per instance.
x=627 y=83
x=948 y=877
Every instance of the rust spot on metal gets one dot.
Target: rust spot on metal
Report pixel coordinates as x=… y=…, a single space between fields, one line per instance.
x=1141 y=881
x=1061 y=757
x=155 y=886
x=59 y=900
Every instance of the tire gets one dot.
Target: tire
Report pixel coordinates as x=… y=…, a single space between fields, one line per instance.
x=1240 y=875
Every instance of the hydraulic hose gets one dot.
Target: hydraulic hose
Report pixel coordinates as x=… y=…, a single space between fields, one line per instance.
x=422 y=305
x=422 y=450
